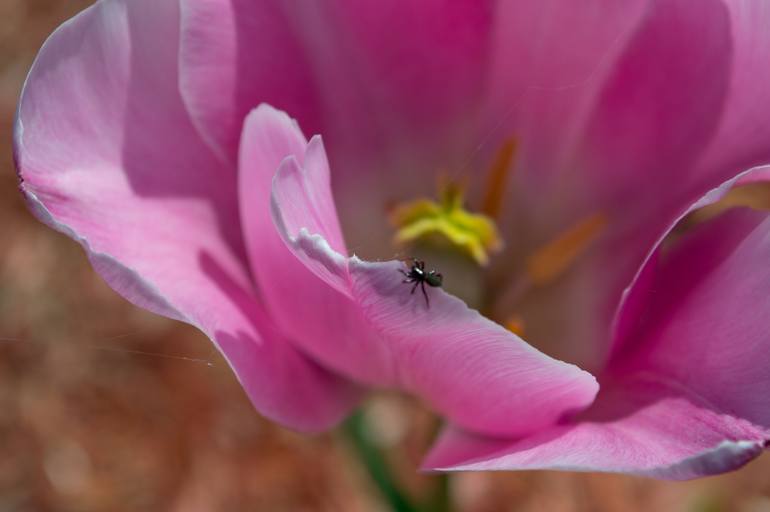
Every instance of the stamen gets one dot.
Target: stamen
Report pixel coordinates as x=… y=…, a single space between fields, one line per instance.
x=515 y=324
x=552 y=259
x=474 y=234
x=750 y=195
x=498 y=175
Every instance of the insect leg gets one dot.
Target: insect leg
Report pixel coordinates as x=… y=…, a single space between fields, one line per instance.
x=425 y=294
x=416 y=283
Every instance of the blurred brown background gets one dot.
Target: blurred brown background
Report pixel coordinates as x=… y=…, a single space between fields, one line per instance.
x=104 y=407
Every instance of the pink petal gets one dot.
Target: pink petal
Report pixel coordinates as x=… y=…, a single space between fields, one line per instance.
x=635 y=296
x=289 y=290
x=236 y=54
x=470 y=369
x=637 y=160
x=734 y=136
x=548 y=62
x=467 y=367
x=643 y=427
x=689 y=393
x=373 y=77
x=704 y=320
x=742 y=139
x=647 y=123
x=650 y=149
x=108 y=155
x=317 y=317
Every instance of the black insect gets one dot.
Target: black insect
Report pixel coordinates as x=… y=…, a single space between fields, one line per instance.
x=420 y=277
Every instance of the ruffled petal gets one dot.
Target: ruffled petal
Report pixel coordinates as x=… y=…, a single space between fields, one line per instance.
x=467 y=367
x=107 y=154
x=302 y=305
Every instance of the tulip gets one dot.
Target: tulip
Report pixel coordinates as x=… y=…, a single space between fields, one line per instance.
x=569 y=140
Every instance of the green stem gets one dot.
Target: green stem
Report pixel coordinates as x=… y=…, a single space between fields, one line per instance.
x=373 y=460
x=440 y=501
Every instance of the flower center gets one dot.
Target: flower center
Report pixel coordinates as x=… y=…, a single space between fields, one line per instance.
x=447 y=222
x=437 y=228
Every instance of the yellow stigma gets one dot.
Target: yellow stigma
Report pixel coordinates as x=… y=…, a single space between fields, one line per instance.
x=474 y=234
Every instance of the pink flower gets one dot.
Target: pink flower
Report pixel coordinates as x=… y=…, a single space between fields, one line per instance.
x=145 y=133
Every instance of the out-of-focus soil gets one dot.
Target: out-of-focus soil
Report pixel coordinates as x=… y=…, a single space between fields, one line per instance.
x=104 y=407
